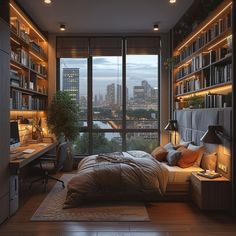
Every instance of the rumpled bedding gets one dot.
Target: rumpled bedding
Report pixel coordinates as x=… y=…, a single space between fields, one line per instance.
x=132 y=176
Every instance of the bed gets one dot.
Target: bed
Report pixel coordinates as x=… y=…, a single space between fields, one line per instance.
x=132 y=175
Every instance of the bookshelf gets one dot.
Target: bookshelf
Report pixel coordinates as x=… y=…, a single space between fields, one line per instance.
x=203 y=62
x=28 y=63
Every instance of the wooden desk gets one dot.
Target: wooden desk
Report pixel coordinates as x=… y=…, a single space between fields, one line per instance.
x=40 y=149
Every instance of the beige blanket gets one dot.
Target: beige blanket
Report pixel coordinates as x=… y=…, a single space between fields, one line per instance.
x=133 y=175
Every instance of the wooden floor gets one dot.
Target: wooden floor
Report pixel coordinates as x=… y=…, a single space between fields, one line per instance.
x=167 y=219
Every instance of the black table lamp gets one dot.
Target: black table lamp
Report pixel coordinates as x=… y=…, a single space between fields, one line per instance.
x=172 y=126
x=212 y=135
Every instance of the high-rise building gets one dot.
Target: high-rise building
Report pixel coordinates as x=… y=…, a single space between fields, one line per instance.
x=147 y=89
x=118 y=95
x=70 y=82
x=110 y=97
x=139 y=94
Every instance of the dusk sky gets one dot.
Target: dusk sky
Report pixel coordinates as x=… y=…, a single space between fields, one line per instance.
x=107 y=70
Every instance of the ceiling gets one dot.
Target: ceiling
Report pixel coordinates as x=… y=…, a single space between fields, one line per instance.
x=105 y=16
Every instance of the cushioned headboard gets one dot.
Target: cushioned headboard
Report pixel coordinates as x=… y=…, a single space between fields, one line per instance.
x=192 y=124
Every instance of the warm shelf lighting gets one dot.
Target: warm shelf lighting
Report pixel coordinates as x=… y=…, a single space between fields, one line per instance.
x=208 y=23
x=47 y=1
x=31 y=26
x=14 y=41
x=210 y=90
x=156 y=27
x=16 y=66
x=219 y=42
x=35 y=56
x=62 y=27
x=172 y=1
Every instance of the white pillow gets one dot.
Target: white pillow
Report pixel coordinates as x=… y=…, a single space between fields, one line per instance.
x=201 y=151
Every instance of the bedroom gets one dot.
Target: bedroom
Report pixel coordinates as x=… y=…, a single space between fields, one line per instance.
x=157 y=73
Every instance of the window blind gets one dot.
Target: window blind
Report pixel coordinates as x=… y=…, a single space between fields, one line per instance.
x=82 y=47
x=72 y=47
x=106 y=46
x=143 y=45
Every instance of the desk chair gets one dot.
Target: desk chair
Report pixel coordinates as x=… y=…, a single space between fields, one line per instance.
x=52 y=162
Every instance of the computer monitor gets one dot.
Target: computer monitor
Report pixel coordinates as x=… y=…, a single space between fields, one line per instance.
x=14 y=135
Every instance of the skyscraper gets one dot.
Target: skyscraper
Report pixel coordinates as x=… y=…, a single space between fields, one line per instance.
x=70 y=82
x=110 y=97
x=118 y=95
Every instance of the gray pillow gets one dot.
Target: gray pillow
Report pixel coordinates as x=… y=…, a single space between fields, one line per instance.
x=173 y=157
x=169 y=146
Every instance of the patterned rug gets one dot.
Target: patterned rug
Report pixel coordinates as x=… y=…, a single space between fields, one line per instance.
x=51 y=209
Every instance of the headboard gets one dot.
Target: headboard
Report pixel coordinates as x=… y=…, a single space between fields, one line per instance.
x=193 y=123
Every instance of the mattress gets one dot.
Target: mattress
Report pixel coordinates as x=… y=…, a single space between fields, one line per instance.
x=179 y=175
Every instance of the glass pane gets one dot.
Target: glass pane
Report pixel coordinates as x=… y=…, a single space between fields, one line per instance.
x=74 y=80
x=142 y=91
x=81 y=145
x=107 y=91
x=106 y=142
x=145 y=141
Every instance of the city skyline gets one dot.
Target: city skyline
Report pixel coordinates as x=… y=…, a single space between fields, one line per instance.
x=108 y=70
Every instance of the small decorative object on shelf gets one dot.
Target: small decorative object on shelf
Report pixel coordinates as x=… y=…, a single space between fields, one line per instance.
x=203 y=62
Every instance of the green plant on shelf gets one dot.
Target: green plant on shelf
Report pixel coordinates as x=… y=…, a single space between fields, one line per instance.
x=195 y=102
x=170 y=62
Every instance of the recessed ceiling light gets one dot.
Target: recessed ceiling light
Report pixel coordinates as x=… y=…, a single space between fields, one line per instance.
x=47 y=1
x=156 y=27
x=62 y=27
x=172 y=1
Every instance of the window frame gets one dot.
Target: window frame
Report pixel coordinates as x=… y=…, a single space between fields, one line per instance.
x=123 y=131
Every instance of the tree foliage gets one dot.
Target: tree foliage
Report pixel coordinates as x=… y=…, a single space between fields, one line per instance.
x=62 y=116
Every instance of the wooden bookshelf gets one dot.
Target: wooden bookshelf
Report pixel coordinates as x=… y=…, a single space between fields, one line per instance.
x=203 y=61
x=29 y=63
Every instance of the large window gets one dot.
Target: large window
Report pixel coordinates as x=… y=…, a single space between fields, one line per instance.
x=115 y=82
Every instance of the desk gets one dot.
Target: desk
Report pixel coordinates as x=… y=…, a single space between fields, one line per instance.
x=40 y=149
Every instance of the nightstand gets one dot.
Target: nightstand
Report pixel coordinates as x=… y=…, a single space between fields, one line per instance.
x=210 y=194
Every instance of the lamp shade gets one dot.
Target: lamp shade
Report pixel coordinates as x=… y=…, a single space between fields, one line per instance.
x=211 y=136
x=172 y=125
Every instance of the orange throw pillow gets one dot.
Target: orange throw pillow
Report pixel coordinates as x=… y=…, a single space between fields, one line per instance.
x=188 y=157
x=159 y=153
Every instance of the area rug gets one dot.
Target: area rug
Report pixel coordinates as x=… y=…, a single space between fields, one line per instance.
x=51 y=209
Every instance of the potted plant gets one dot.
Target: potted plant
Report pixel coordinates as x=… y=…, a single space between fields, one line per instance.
x=62 y=121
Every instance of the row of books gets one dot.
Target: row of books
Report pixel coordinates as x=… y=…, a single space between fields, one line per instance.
x=188 y=86
x=218 y=28
x=23 y=32
x=37 y=48
x=21 y=101
x=201 y=60
x=221 y=74
x=38 y=67
x=20 y=56
x=19 y=29
x=19 y=80
x=214 y=101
